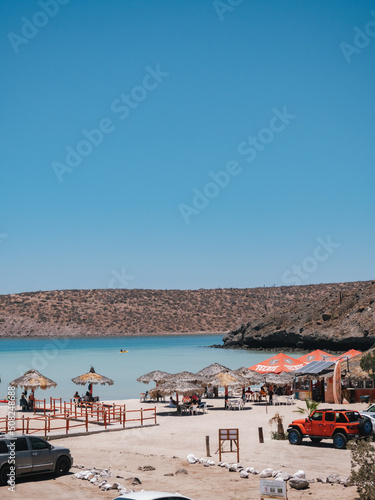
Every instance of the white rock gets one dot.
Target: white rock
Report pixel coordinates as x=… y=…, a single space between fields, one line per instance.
x=300 y=474
x=244 y=474
x=192 y=459
x=210 y=462
x=106 y=487
x=275 y=472
x=266 y=473
x=255 y=471
x=250 y=469
x=283 y=476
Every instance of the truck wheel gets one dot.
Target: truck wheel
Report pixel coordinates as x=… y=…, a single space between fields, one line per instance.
x=62 y=466
x=4 y=475
x=365 y=427
x=294 y=436
x=339 y=441
x=316 y=440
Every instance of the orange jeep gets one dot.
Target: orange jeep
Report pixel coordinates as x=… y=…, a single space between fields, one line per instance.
x=339 y=425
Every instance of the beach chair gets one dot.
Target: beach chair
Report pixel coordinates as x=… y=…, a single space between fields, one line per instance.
x=202 y=407
x=290 y=400
x=275 y=399
x=184 y=410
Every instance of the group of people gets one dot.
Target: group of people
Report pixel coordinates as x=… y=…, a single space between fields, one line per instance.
x=186 y=401
x=27 y=404
x=87 y=398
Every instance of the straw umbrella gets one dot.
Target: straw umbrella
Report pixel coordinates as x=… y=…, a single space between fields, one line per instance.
x=227 y=379
x=32 y=380
x=251 y=376
x=156 y=376
x=92 y=378
x=184 y=387
x=211 y=370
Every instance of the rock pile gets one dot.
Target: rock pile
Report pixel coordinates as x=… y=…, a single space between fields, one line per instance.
x=297 y=480
x=98 y=477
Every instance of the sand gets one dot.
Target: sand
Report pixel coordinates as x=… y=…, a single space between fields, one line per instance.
x=167 y=445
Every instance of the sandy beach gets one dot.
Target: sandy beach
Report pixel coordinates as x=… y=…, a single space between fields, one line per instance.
x=166 y=446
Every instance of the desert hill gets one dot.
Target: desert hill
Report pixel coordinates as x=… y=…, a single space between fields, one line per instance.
x=339 y=320
x=137 y=312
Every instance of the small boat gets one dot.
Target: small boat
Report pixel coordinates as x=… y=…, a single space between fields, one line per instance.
x=123 y=350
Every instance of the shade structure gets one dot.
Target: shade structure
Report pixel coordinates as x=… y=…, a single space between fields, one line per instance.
x=32 y=380
x=279 y=379
x=277 y=364
x=251 y=376
x=154 y=376
x=183 y=387
x=180 y=376
x=92 y=378
x=212 y=370
x=227 y=379
x=350 y=354
x=317 y=355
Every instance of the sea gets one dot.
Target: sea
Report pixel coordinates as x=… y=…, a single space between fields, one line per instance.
x=62 y=359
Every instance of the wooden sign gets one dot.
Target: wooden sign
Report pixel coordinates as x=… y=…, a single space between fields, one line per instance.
x=231 y=435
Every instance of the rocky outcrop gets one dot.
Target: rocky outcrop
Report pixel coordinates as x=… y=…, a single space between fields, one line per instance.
x=339 y=321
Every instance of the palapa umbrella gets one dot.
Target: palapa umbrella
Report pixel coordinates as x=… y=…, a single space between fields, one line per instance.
x=211 y=370
x=183 y=376
x=251 y=376
x=317 y=355
x=92 y=378
x=183 y=387
x=32 y=380
x=156 y=376
x=278 y=379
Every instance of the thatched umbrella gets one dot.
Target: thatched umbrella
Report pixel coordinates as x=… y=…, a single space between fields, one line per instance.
x=156 y=376
x=184 y=387
x=251 y=376
x=183 y=376
x=278 y=379
x=92 y=378
x=228 y=379
x=211 y=370
x=32 y=380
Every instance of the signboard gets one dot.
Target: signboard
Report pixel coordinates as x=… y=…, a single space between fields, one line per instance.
x=231 y=435
x=269 y=488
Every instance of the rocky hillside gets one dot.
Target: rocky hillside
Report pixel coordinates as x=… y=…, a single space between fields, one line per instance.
x=128 y=312
x=340 y=320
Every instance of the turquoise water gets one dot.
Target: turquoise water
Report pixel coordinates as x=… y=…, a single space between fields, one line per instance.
x=62 y=359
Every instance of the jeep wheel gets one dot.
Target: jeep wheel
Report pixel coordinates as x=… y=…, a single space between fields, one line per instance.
x=339 y=441
x=316 y=440
x=4 y=475
x=294 y=436
x=62 y=466
x=365 y=427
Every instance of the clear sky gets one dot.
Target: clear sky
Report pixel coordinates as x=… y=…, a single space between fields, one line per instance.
x=186 y=144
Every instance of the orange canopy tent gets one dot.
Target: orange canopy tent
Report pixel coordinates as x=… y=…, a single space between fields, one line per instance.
x=278 y=364
x=317 y=355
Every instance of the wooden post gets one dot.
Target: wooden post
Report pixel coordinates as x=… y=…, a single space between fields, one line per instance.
x=155 y=414
x=124 y=415
x=87 y=423
x=260 y=432
x=208 y=446
x=67 y=424
x=23 y=424
x=141 y=416
x=6 y=424
x=45 y=426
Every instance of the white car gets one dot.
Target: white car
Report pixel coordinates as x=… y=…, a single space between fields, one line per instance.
x=370 y=414
x=152 y=495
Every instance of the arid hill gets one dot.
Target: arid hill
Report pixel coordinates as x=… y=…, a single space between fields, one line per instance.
x=340 y=320
x=137 y=312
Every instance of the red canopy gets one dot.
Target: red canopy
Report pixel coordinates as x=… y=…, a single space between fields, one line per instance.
x=277 y=364
x=317 y=355
x=350 y=354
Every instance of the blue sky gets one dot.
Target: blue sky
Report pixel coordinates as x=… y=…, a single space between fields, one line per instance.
x=157 y=99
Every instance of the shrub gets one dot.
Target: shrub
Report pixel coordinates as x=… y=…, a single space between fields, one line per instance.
x=363 y=468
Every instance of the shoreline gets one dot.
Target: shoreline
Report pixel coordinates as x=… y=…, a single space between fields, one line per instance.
x=114 y=335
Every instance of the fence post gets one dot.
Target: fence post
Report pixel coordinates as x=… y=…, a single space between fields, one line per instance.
x=87 y=423
x=28 y=425
x=45 y=426
x=23 y=424
x=67 y=424
x=124 y=414
x=105 y=420
x=141 y=416
x=6 y=424
x=155 y=414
